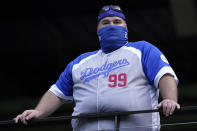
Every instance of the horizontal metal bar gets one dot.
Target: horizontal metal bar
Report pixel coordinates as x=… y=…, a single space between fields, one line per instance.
x=95 y=115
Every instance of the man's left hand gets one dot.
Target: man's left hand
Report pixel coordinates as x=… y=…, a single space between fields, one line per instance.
x=168 y=106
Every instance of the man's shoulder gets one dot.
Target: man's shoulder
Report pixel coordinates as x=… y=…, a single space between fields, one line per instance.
x=85 y=55
x=141 y=45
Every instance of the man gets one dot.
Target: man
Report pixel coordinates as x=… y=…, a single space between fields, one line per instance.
x=121 y=76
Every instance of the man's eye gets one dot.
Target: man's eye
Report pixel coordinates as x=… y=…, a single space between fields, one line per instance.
x=117 y=22
x=105 y=23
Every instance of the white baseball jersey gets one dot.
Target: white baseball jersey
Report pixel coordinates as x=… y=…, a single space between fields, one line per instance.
x=123 y=80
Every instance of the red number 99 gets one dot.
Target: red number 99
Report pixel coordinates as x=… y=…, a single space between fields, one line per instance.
x=122 y=80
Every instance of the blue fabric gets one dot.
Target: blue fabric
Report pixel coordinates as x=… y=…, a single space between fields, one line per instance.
x=151 y=59
x=65 y=81
x=111 y=13
x=112 y=37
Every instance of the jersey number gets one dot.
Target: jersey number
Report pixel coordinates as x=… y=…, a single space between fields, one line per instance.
x=120 y=80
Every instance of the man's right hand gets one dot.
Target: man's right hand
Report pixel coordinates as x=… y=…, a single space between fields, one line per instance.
x=47 y=105
x=27 y=115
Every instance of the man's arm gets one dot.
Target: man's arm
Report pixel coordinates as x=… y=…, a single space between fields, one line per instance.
x=169 y=92
x=47 y=105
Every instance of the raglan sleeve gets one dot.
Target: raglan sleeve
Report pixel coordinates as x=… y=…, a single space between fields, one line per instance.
x=63 y=87
x=155 y=64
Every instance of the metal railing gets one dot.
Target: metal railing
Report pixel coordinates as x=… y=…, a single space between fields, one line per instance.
x=115 y=115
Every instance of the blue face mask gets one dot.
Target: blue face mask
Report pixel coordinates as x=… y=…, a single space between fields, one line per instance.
x=112 y=37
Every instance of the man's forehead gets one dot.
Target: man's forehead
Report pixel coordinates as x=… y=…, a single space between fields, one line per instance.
x=112 y=18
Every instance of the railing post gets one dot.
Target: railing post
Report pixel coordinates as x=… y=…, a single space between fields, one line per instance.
x=116 y=123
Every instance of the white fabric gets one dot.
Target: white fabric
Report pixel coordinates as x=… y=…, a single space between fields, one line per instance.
x=58 y=93
x=162 y=72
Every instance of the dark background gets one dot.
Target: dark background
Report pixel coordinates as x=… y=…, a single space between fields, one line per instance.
x=38 y=39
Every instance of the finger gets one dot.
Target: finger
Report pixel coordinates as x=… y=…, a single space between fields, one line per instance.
x=16 y=118
x=178 y=106
x=172 y=109
x=24 y=115
x=164 y=108
x=30 y=116
x=168 y=108
x=159 y=105
x=19 y=118
x=23 y=120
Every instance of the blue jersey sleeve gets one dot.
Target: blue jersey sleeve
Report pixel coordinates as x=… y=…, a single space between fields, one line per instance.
x=152 y=59
x=65 y=82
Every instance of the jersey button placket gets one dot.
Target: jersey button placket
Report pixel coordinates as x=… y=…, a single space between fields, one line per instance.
x=98 y=90
x=104 y=58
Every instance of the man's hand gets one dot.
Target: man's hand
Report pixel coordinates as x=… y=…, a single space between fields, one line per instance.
x=168 y=106
x=27 y=115
x=47 y=105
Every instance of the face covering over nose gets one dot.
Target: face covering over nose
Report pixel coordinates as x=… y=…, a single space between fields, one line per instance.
x=112 y=37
